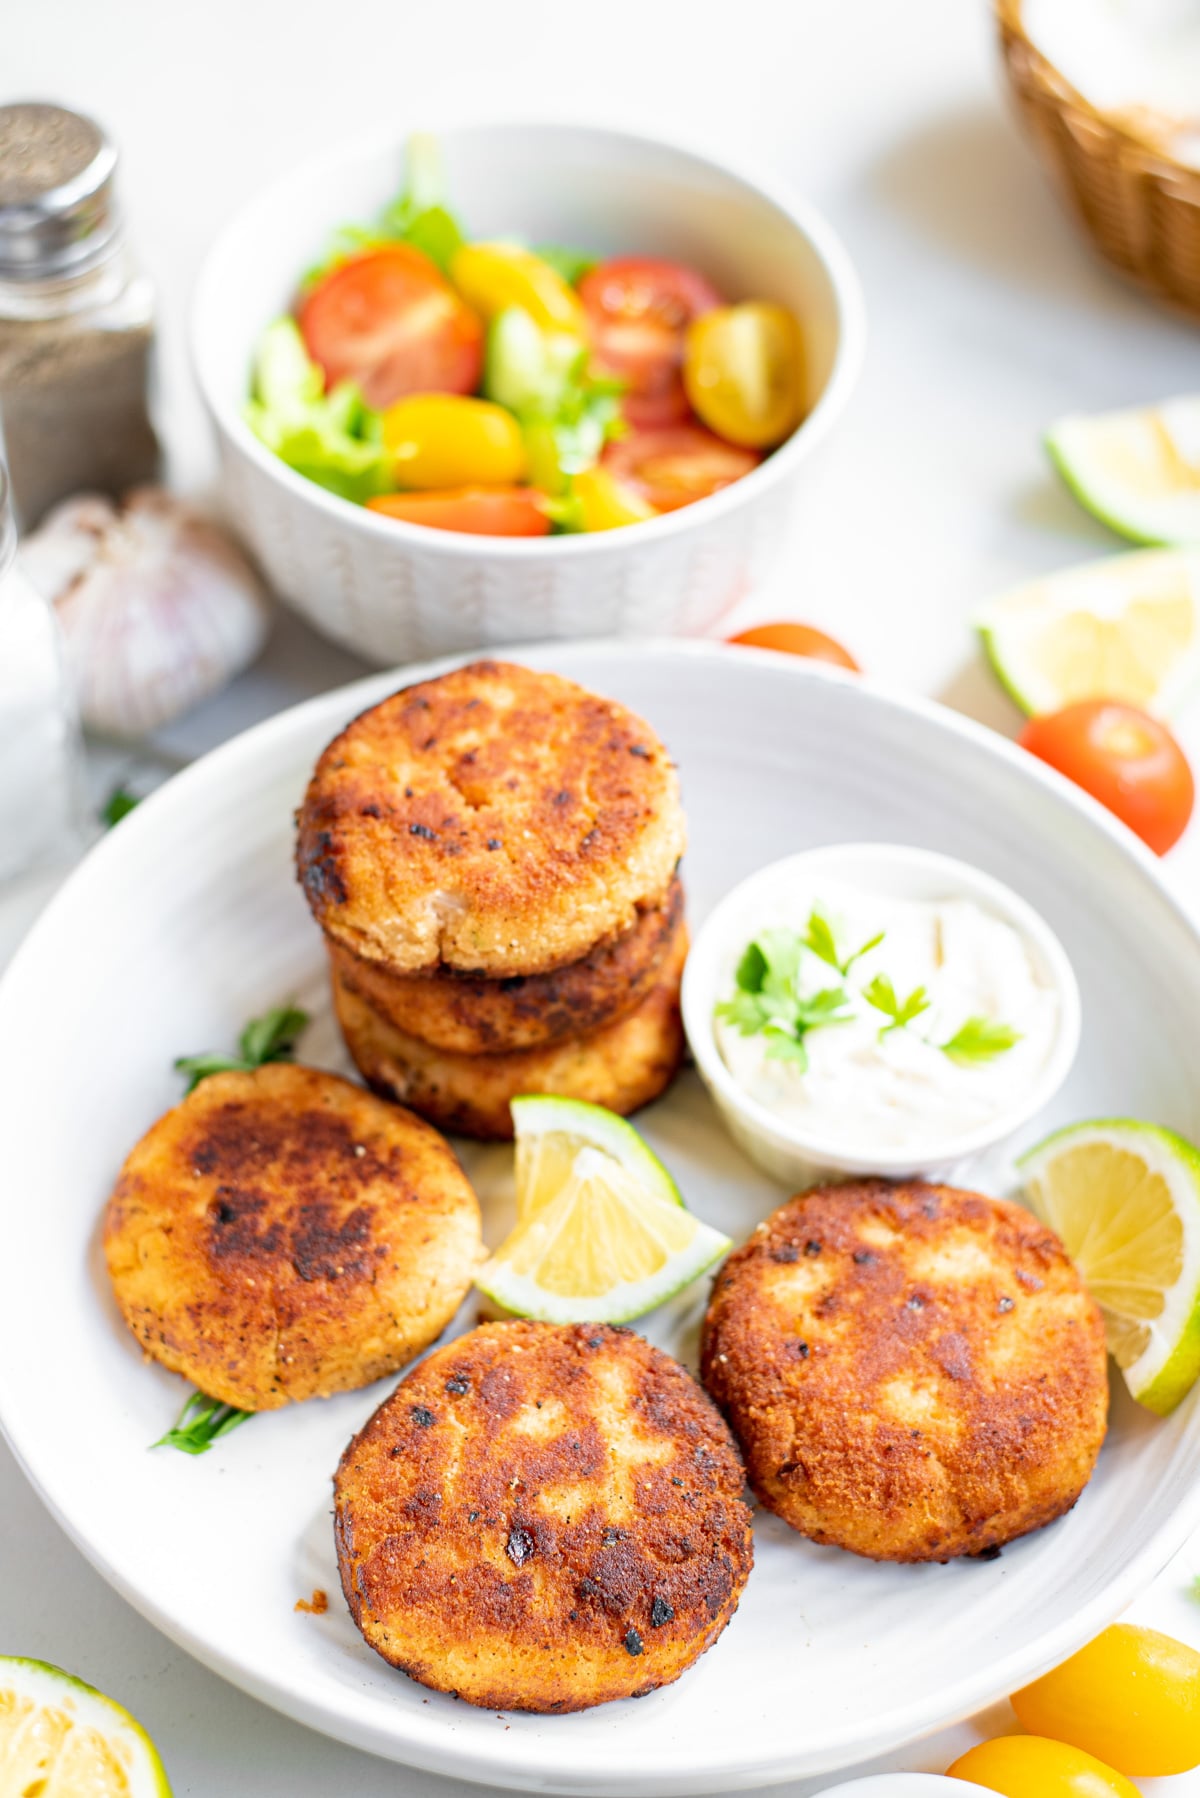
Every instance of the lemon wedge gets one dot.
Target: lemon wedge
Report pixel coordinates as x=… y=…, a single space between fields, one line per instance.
x=1137 y=471
x=602 y=1234
x=1125 y=1199
x=60 y=1738
x=1126 y=627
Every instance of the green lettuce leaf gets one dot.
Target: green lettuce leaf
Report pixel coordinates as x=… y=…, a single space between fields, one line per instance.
x=330 y=438
x=418 y=215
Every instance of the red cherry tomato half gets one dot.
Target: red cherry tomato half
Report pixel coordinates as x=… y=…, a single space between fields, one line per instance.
x=480 y=511
x=1124 y=758
x=389 y=321
x=639 y=309
x=678 y=464
x=798 y=640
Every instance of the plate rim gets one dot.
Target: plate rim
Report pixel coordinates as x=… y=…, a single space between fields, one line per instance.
x=428 y=1744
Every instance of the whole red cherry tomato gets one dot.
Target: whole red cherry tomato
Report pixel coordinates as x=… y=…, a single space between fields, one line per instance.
x=1124 y=758
x=798 y=640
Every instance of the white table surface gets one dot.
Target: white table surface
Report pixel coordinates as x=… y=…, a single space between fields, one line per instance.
x=987 y=321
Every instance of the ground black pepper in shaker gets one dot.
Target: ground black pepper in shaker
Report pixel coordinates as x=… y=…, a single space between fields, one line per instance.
x=76 y=316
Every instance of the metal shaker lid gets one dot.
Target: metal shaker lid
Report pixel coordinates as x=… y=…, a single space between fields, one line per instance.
x=58 y=213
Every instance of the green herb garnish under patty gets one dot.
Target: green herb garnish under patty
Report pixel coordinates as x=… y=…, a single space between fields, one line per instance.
x=768 y=1000
x=199 y=1424
x=272 y=1037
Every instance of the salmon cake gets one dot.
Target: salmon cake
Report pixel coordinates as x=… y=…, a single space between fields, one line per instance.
x=283 y=1234
x=543 y=1517
x=623 y=1066
x=913 y=1372
x=469 y=1014
x=495 y=819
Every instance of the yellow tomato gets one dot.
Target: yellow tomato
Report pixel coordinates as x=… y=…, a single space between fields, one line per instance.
x=605 y=503
x=1132 y=1697
x=493 y=276
x=743 y=368
x=442 y=440
x=1031 y=1767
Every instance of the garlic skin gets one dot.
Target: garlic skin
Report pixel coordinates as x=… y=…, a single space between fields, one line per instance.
x=157 y=607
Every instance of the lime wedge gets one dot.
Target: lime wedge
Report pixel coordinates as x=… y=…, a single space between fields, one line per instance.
x=1137 y=471
x=1125 y=1199
x=60 y=1738
x=550 y=1133
x=1126 y=627
x=602 y=1234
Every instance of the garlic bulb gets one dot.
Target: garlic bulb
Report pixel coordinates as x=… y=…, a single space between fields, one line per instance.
x=157 y=607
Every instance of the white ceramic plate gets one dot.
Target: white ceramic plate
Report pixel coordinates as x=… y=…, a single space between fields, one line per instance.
x=186 y=921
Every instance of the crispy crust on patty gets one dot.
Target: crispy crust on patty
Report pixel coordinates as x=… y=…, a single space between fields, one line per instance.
x=283 y=1234
x=495 y=819
x=543 y=1518
x=469 y=1014
x=913 y=1372
x=624 y=1066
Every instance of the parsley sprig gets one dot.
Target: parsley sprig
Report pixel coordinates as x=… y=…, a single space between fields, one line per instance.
x=768 y=999
x=272 y=1037
x=118 y=805
x=880 y=993
x=820 y=937
x=200 y=1423
x=979 y=1039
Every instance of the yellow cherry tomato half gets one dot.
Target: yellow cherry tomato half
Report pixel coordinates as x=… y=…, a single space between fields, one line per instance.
x=493 y=276
x=1032 y=1767
x=443 y=440
x=1131 y=1697
x=743 y=368
x=605 y=503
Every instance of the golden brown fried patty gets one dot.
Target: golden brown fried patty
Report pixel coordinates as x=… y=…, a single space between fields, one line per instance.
x=624 y=1066
x=495 y=820
x=284 y=1234
x=543 y=1517
x=913 y=1372
x=468 y=1014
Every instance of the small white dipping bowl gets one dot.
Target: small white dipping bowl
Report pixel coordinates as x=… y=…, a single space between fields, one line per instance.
x=790 y=1153
x=395 y=591
x=903 y=1785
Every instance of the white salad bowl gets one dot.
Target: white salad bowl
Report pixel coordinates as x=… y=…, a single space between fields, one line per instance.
x=394 y=591
x=792 y=1153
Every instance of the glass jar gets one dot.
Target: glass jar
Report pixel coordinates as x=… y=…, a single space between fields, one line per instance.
x=76 y=316
x=41 y=781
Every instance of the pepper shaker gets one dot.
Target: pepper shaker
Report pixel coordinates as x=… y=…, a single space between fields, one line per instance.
x=76 y=316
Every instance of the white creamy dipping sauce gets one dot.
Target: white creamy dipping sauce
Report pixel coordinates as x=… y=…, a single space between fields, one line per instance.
x=867 y=1087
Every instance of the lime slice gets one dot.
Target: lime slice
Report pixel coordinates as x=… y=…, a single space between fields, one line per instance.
x=550 y=1133
x=602 y=1234
x=1125 y=1199
x=1126 y=627
x=1138 y=471
x=60 y=1738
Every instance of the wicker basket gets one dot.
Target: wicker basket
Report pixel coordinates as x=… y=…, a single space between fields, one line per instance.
x=1139 y=207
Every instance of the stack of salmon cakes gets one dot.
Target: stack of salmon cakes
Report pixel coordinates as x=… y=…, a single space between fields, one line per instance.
x=493 y=858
